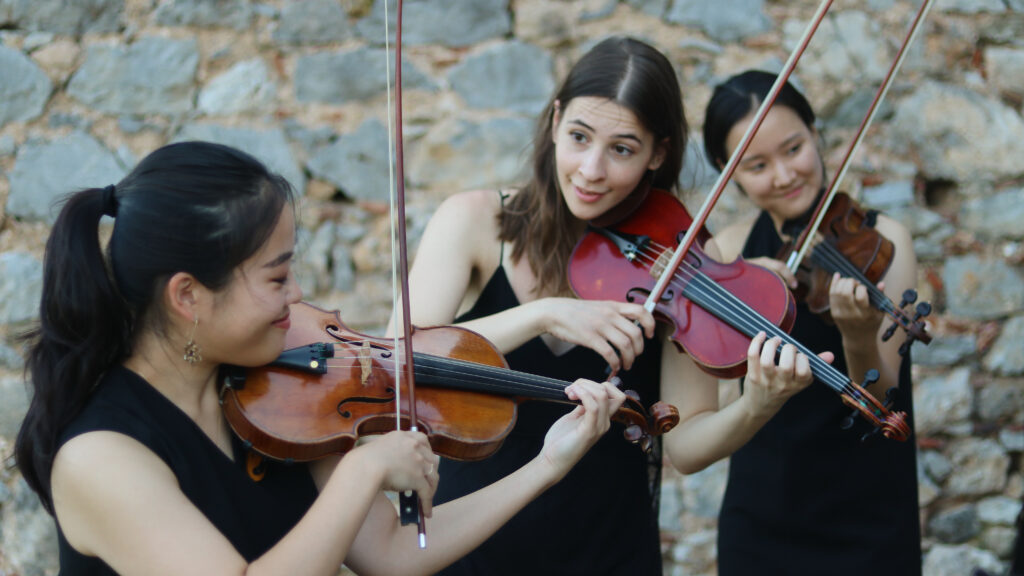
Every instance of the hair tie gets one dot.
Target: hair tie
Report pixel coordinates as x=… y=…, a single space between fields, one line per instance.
x=110 y=201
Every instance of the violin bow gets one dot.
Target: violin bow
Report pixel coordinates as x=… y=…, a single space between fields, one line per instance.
x=409 y=506
x=723 y=179
x=803 y=241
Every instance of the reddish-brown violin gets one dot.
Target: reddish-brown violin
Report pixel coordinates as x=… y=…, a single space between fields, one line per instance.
x=333 y=385
x=715 y=309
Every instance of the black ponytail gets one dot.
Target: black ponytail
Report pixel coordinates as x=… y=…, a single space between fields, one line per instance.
x=84 y=327
x=192 y=207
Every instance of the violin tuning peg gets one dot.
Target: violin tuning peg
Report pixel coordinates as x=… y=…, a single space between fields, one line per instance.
x=870 y=377
x=868 y=435
x=909 y=297
x=923 y=309
x=847 y=423
x=634 y=434
x=891 y=395
x=890 y=331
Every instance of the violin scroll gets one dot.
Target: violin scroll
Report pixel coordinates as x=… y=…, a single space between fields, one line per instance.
x=892 y=424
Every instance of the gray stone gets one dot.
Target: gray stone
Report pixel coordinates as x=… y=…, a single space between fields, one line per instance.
x=670 y=505
x=356 y=163
x=45 y=172
x=61 y=120
x=979 y=467
x=35 y=40
x=312 y=22
x=511 y=75
x=919 y=221
x=235 y=14
x=697 y=552
x=1012 y=438
x=851 y=110
x=1005 y=68
x=24 y=87
x=889 y=194
x=308 y=138
x=453 y=23
x=63 y=17
x=7 y=145
x=942 y=399
x=652 y=7
x=459 y=155
x=959 y=134
x=268 y=145
x=956 y=525
x=343 y=270
x=997 y=216
x=946 y=350
x=1001 y=399
x=1007 y=353
x=998 y=539
x=970 y=6
x=944 y=560
x=703 y=491
x=10 y=358
x=13 y=404
x=725 y=20
x=245 y=87
x=28 y=535
x=21 y=287
x=340 y=77
x=927 y=491
x=982 y=288
x=605 y=10
x=999 y=510
x=859 y=49
x=935 y=464
x=151 y=76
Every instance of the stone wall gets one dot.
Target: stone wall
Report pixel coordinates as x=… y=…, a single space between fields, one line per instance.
x=89 y=87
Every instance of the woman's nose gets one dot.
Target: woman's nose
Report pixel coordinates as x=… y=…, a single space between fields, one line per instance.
x=592 y=166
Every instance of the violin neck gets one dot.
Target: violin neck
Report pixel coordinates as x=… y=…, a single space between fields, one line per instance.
x=728 y=308
x=470 y=376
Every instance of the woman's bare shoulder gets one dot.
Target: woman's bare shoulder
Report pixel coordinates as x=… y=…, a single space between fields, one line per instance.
x=730 y=240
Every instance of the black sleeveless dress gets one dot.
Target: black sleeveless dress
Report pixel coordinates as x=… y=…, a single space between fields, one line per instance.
x=602 y=517
x=806 y=497
x=252 y=515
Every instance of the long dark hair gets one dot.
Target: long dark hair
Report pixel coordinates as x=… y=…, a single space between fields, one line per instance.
x=191 y=207
x=738 y=97
x=627 y=72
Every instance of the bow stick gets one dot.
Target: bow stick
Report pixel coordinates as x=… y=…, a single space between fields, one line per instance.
x=701 y=217
x=819 y=214
x=409 y=506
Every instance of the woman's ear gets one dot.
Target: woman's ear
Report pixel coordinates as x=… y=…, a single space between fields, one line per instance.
x=183 y=295
x=556 y=119
x=658 y=158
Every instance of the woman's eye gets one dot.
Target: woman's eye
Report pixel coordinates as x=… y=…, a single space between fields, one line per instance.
x=623 y=150
x=578 y=137
x=795 y=149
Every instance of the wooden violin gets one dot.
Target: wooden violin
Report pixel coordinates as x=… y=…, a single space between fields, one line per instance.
x=333 y=385
x=849 y=244
x=715 y=309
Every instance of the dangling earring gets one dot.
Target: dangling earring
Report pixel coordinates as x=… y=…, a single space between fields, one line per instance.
x=192 y=352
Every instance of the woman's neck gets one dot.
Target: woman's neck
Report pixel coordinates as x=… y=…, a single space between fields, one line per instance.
x=190 y=387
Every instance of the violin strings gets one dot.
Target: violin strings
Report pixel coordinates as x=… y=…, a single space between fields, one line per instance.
x=829 y=258
x=749 y=321
x=467 y=373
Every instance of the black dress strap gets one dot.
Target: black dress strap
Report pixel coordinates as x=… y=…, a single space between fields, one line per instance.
x=501 y=250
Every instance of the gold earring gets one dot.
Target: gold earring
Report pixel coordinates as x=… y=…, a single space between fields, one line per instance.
x=192 y=352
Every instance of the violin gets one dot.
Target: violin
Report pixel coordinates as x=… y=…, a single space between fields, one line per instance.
x=850 y=245
x=715 y=309
x=333 y=385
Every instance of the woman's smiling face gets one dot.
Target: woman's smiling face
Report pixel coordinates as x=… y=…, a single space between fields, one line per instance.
x=602 y=152
x=781 y=171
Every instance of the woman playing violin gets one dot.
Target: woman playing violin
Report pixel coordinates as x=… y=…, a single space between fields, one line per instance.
x=805 y=497
x=125 y=441
x=496 y=262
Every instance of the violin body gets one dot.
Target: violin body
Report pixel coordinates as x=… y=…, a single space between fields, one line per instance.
x=598 y=270
x=847 y=229
x=333 y=385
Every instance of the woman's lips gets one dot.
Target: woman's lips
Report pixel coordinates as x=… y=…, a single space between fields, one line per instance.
x=586 y=196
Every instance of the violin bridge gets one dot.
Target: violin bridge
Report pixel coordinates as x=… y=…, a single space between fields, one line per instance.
x=365 y=362
x=661 y=264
